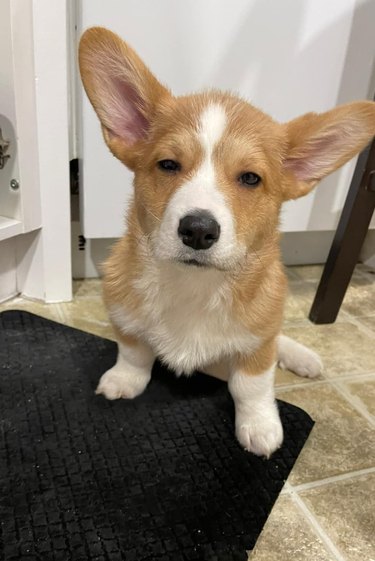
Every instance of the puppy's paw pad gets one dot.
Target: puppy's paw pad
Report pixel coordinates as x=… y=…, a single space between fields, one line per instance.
x=260 y=439
x=115 y=385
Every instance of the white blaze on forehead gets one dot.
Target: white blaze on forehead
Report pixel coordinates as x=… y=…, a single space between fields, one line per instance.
x=201 y=191
x=211 y=127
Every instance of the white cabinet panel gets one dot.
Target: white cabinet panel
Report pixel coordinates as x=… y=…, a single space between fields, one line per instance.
x=17 y=120
x=287 y=57
x=35 y=256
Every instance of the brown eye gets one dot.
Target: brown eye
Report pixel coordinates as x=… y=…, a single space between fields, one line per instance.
x=170 y=166
x=249 y=178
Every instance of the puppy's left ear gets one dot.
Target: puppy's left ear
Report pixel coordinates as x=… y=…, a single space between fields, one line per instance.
x=318 y=144
x=122 y=90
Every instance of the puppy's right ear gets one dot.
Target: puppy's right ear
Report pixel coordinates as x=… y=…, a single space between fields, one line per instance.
x=123 y=92
x=318 y=144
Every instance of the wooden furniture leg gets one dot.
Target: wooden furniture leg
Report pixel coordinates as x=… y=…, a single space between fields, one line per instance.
x=348 y=240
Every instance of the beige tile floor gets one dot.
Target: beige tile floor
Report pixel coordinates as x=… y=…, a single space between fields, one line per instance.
x=326 y=511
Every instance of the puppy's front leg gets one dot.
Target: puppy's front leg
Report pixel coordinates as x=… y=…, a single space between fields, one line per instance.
x=251 y=384
x=131 y=373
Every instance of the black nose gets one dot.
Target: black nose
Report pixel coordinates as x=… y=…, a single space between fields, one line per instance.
x=199 y=231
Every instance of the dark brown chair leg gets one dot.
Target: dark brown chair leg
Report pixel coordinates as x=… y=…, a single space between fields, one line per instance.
x=350 y=234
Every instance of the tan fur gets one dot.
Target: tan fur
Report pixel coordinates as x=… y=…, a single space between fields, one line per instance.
x=260 y=361
x=124 y=338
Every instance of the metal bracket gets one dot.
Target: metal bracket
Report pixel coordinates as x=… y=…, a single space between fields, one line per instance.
x=4 y=145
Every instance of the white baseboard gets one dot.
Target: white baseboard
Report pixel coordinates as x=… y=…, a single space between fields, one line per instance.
x=8 y=269
x=23 y=270
x=306 y=248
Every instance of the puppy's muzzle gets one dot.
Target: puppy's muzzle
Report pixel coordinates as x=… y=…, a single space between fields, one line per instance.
x=199 y=230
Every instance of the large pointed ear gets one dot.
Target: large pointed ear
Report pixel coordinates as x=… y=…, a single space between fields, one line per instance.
x=123 y=92
x=318 y=144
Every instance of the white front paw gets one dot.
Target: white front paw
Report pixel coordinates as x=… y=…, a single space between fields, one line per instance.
x=310 y=366
x=260 y=434
x=117 y=383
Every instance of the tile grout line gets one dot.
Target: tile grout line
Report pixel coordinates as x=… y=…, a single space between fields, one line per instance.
x=97 y=322
x=294 y=323
x=289 y=488
x=353 y=402
x=357 y=321
x=300 y=281
x=352 y=377
x=315 y=525
x=361 y=409
x=299 y=385
x=318 y=382
x=60 y=315
x=368 y=275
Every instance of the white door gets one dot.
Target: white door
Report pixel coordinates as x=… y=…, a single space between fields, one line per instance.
x=287 y=57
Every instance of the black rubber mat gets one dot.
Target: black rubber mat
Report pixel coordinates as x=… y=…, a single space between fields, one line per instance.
x=157 y=478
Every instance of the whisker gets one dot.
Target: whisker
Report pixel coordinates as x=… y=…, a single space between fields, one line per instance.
x=148 y=211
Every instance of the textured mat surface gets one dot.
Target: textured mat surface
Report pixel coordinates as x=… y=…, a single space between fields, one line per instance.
x=158 y=478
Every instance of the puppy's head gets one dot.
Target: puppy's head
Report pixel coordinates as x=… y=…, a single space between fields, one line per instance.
x=211 y=171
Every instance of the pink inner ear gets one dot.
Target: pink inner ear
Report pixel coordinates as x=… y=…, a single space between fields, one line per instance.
x=124 y=117
x=314 y=159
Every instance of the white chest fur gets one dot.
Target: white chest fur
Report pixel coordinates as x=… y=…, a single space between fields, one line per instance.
x=186 y=317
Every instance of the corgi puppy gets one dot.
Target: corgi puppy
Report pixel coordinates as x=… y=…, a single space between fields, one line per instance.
x=197 y=279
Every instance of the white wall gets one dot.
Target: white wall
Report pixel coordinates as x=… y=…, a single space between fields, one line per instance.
x=9 y=201
x=287 y=57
